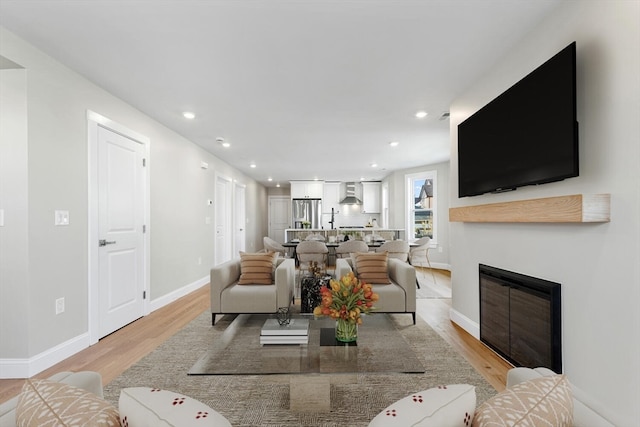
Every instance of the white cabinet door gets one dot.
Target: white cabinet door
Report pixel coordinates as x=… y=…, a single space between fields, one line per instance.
x=315 y=189
x=307 y=189
x=298 y=190
x=370 y=197
x=331 y=197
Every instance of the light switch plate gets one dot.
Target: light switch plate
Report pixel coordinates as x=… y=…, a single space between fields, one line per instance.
x=1 y=217
x=62 y=218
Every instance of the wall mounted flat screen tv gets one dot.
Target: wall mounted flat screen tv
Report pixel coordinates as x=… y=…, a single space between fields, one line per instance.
x=528 y=135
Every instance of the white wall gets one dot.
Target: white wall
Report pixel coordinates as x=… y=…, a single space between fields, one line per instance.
x=53 y=174
x=13 y=202
x=598 y=265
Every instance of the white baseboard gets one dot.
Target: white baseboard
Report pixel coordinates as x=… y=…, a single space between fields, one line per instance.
x=441 y=266
x=26 y=368
x=465 y=323
x=177 y=294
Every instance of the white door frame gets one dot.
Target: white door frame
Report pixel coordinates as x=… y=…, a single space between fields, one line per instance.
x=94 y=121
x=228 y=212
x=239 y=217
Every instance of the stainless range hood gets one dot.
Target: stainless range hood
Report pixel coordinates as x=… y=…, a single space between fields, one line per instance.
x=351 y=198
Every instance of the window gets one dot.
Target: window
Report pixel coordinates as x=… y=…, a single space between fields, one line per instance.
x=421 y=205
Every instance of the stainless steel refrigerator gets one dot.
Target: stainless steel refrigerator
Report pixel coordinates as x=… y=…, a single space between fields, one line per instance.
x=309 y=210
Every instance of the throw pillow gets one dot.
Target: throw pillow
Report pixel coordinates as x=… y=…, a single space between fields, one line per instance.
x=372 y=267
x=257 y=269
x=444 y=406
x=152 y=407
x=545 y=401
x=44 y=403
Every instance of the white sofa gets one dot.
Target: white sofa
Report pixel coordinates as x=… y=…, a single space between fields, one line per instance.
x=227 y=297
x=583 y=415
x=397 y=297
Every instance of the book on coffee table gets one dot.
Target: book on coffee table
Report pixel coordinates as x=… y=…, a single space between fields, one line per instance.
x=296 y=332
x=284 y=339
x=296 y=327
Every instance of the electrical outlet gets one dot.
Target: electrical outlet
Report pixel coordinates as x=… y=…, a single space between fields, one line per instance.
x=440 y=249
x=61 y=218
x=60 y=305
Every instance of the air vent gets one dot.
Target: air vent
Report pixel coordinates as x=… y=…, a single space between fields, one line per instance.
x=444 y=116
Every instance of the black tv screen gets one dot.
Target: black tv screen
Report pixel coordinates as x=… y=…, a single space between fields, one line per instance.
x=527 y=135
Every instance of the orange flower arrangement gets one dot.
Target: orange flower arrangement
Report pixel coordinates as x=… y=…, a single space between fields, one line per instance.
x=346 y=300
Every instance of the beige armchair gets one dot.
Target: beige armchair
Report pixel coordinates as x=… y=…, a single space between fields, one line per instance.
x=397 y=297
x=228 y=297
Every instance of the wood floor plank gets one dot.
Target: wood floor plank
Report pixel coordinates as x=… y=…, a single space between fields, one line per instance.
x=115 y=353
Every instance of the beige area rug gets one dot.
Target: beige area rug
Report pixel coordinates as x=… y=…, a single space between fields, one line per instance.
x=256 y=400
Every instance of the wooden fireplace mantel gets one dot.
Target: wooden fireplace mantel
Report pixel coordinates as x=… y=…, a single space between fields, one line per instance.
x=562 y=209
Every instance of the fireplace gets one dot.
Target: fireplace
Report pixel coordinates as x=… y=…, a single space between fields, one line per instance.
x=520 y=318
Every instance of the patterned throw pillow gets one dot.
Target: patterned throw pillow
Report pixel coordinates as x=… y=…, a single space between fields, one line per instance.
x=257 y=269
x=152 y=407
x=541 y=402
x=443 y=406
x=372 y=267
x=45 y=403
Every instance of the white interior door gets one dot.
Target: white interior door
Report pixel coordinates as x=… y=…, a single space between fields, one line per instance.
x=279 y=217
x=223 y=219
x=121 y=197
x=240 y=222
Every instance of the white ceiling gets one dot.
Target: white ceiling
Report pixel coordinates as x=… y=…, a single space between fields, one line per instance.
x=305 y=89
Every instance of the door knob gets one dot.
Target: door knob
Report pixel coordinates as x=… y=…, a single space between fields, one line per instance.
x=103 y=242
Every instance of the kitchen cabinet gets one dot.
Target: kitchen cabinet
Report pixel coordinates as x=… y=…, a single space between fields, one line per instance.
x=370 y=197
x=307 y=189
x=331 y=197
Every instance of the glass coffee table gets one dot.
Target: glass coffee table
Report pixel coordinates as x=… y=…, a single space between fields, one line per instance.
x=380 y=348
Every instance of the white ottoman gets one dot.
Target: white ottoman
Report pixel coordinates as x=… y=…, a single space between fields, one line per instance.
x=152 y=407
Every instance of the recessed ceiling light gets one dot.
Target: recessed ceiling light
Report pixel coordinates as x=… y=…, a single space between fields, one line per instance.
x=269 y=179
x=189 y=115
x=278 y=185
x=394 y=143
x=252 y=165
x=222 y=142
x=421 y=114
x=374 y=165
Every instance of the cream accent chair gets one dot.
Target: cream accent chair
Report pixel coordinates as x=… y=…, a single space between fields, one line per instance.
x=271 y=245
x=345 y=249
x=395 y=249
x=227 y=297
x=418 y=255
x=397 y=297
x=310 y=251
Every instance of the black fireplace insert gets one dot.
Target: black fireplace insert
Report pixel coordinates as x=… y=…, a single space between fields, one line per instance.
x=520 y=318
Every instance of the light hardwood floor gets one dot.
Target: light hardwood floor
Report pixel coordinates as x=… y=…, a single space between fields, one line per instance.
x=115 y=353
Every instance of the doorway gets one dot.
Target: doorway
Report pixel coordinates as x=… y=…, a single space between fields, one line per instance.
x=279 y=217
x=118 y=217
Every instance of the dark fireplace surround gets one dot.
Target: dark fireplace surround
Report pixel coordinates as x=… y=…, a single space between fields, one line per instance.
x=520 y=318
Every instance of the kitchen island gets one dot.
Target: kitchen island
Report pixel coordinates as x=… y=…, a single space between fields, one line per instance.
x=338 y=234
